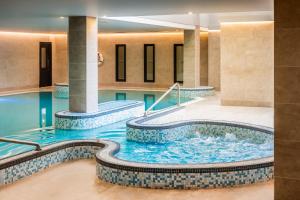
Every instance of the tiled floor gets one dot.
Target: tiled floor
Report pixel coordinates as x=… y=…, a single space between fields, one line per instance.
x=76 y=180
x=210 y=108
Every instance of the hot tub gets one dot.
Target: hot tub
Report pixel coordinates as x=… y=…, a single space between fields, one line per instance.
x=190 y=154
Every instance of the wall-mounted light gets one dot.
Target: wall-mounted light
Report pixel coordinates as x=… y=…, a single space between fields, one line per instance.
x=216 y=30
x=31 y=34
x=190 y=13
x=134 y=34
x=61 y=17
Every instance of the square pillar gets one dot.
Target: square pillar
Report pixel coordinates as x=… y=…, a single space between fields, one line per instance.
x=191 y=58
x=83 y=66
x=287 y=99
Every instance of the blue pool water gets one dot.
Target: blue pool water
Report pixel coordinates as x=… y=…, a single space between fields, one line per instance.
x=198 y=148
x=33 y=110
x=23 y=113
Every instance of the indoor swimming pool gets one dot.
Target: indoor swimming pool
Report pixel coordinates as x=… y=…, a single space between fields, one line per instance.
x=25 y=118
x=22 y=115
x=209 y=153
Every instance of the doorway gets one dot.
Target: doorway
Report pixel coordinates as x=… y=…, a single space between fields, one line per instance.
x=45 y=64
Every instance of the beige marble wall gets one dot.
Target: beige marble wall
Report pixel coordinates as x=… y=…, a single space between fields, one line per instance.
x=135 y=58
x=247 y=64
x=203 y=58
x=287 y=99
x=19 y=64
x=19 y=60
x=60 y=59
x=214 y=59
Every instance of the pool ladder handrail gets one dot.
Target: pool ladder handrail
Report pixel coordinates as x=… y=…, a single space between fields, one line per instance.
x=163 y=96
x=37 y=146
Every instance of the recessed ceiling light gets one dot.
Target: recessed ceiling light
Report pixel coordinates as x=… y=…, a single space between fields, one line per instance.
x=190 y=13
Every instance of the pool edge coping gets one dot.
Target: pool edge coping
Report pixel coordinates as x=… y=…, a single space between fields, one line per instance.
x=138 y=123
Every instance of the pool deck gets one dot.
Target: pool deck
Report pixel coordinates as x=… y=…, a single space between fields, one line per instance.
x=64 y=182
x=210 y=108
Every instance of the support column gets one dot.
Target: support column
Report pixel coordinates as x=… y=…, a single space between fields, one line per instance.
x=191 y=58
x=287 y=99
x=83 y=67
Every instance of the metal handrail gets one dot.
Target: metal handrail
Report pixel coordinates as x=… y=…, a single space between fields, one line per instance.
x=49 y=128
x=163 y=96
x=37 y=146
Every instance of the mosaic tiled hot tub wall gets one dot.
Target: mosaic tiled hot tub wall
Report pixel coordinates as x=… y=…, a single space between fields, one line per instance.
x=195 y=92
x=61 y=91
x=23 y=165
x=177 y=131
x=187 y=176
x=76 y=121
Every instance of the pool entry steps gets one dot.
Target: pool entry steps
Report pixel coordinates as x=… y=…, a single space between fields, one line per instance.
x=109 y=112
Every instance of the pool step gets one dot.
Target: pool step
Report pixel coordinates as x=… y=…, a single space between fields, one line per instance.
x=108 y=113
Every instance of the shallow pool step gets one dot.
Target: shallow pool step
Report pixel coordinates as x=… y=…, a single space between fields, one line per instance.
x=108 y=113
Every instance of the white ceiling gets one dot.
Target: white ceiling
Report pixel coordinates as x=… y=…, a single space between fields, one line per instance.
x=43 y=15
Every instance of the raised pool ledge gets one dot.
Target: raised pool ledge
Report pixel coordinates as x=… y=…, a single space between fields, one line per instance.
x=180 y=176
x=202 y=91
x=164 y=133
x=109 y=112
x=26 y=164
x=61 y=90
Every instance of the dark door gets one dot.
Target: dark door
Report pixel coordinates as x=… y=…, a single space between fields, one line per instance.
x=45 y=64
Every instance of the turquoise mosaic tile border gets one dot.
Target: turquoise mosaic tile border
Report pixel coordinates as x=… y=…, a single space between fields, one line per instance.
x=27 y=164
x=138 y=132
x=61 y=91
x=184 y=180
x=195 y=92
x=109 y=112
